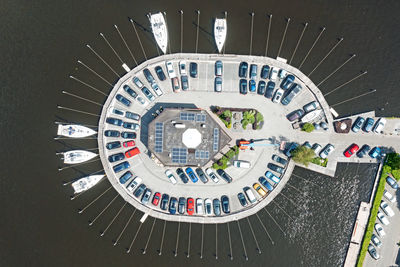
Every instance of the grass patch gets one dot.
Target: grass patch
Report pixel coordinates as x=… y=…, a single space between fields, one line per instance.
x=396 y=174
x=320 y=161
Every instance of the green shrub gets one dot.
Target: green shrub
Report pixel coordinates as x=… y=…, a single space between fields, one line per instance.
x=303 y=155
x=308 y=127
x=259 y=117
x=320 y=161
x=222 y=163
x=396 y=174
x=393 y=160
x=245 y=123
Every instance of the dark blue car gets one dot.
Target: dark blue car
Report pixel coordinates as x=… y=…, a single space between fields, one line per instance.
x=128 y=135
x=160 y=73
x=116 y=157
x=172 y=205
x=261 y=88
x=114 y=121
x=113 y=145
x=358 y=124
x=182 y=175
x=122 y=166
x=111 y=133
x=243 y=69
x=369 y=122
x=123 y=100
x=264 y=72
x=130 y=91
x=269 y=92
x=243 y=86
x=287 y=82
x=125 y=177
x=265 y=183
x=192 y=175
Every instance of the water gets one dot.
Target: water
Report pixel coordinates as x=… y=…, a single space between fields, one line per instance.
x=41 y=42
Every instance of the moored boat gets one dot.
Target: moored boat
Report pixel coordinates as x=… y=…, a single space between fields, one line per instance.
x=86 y=183
x=220 y=33
x=74 y=131
x=78 y=156
x=160 y=31
x=310 y=116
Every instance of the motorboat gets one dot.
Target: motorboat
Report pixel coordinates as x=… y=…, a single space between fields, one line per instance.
x=310 y=116
x=220 y=33
x=74 y=131
x=160 y=31
x=78 y=156
x=86 y=183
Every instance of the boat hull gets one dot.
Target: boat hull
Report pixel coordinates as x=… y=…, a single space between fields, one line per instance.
x=311 y=116
x=220 y=33
x=86 y=183
x=78 y=156
x=160 y=32
x=74 y=131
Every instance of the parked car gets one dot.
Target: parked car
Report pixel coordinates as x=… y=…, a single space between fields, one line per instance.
x=160 y=73
x=133 y=184
x=175 y=84
x=282 y=74
x=225 y=204
x=190 y=206
x=192 y=176
x=252 y=86
x=379 y=230
x=380 y=124
x=392 y=182
x=269 y=92
x=265 y=183
x=253 y=71
x=224 y=175
x=311 y=106
x=146 y=196
x=147 y=93
x=294 y=91
x=278 y=95
x=357 y=124
x=113 y=145
x=264 y=72
x=382 y=218
x=139 y=191
x=170 y=69
x=307 y=144
x=273 y=74
x=123 y=100
x=218 y=68
x=111 y=133
x=275 y=168
x=121 y=166
x=199 y=206
x=287 y=82
x=193 y=69
x=172 y=205
x=376 y=241
x=288 y=151
x=125 y=177
x=317 y=148
x=132 y=116
x=363 y=151
x=182 y=175
x=387 y=209
x=272 y=177
x=156 y=199
x=241 y=164
x=185 y=82
x=182 y=67
x=137 y=82
x=259 y=190
x=128 y=135
x=156 y=89
x=375 y=152
x=208 y=206
x=261 y=88
x=372 y=251
x=149 y=77
x=201 y=175
x=116 y=157
x=217 y=207
x=326 y=151
x=389 y=196
x=164 y=202
x=369 y=123
x=295 y=115
x=351 y=150
x=170 y=176
x=132 y=152
x=212 y=175
x=243 y=69
x=130 y=91
x=279 y=159
x=131 y=126
x=242 y=199
x=218 y=84
x=243 y=86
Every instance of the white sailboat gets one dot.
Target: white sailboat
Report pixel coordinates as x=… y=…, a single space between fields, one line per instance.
x=310 y=116
x=220 y=33
x=74 y=131
x=160 y=31
x=86 y=183
x=78 y=156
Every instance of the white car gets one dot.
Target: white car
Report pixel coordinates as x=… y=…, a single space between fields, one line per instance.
x=389 y=196
x=379 y=230
x=170 y=69
x=382 y=218
x=388 y=210
x=250 y=194
x=133 y=184
x=311 y=106
x=241 y=164
x=380 y=124
x=317 y=148
x=199 y=206
x=212 y=175
x=278 y=95
x=326 y=151
x=282 y=73
x=182 y=67
x=273 y=75
x=156 y=89
x=208 y=206
x=170 y=176
x=376 y=241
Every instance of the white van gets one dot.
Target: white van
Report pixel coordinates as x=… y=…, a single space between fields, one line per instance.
x=250 y=194
x=241 y=164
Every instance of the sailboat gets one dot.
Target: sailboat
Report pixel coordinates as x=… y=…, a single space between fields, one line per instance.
x=78 y=156
x=310 y=116
x=74 y=131
x=86 y=183
x=160 y=31
x=220 y=33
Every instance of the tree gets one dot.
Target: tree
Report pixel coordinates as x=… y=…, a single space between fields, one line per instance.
x=303 y=155
x=308 y=127
x=393 y=160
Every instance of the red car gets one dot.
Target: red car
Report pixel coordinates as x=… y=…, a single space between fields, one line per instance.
x=190 y=206
x=351 y=150
x=156 y=199
x=130 y=143
x=132 y=152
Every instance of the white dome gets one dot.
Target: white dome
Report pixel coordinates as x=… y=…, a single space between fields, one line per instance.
x=191 y=138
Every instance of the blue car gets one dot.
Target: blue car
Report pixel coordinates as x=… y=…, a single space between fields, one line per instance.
x=269 y=92
x=160 y=73
x=261 y=88
x=264 y=72
x=147 y=93
x=114 y=121
x=111 y=133
x=128 y=135
x=252 y=86
x=116 y=157
x=113 y=145
x=243 y=86
x=148 y=75
x=243 y=69
x=392 y=182
x=172 y=205
x=289 y=150
x=357 y=124
x=265 y=183
x=192 y=175
x=369 y=122
x=287 y=82
x=294 y=91
x=130 y=91
x=375 y=152
x=123 y=100
x=272 y=177
x=125 y=177
x=122 y=166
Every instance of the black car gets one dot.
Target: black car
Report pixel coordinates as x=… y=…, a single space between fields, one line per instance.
x=139 y=190
x=128 y=135
x=363 y=151
x=275 y=168
x=164 y=202
x=242 y=199
x=224 y=175
x=217 y=207
x=148 y=76
x=123 y=100
x=116 y=157
x=111 y=133
x=294 y=91
x=146 y=196
x=132 y=116
x=185 y=82
x=295 y=115
x=193 y=69
x=279 y=159
x=172 y=205
x=243 y=86
x=182 y=175
x=243 y=69
x=114 y=121
x=202 y=175
x=181 y=205
x=264 y=72
x=130 y=91
x=160 y=73
x=147 y=93
x=261 y=88
x=269 y=92
x=225 y=204
x=113 y=145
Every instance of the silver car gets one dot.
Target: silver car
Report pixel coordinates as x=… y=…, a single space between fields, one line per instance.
x=218 y=84
x=326 y=151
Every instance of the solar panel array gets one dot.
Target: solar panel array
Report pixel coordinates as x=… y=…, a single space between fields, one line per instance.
x=184 y=116
x=179 y=155
x=201 y=154
x=216 y=139
x=159 y=137
x=201 y=118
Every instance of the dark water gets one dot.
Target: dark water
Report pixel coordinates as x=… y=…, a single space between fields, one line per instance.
x=40 y=44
